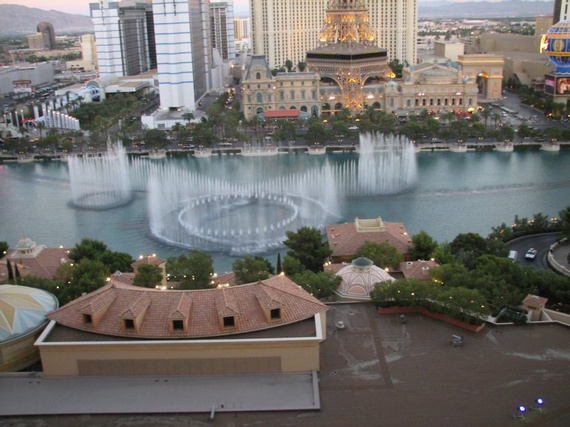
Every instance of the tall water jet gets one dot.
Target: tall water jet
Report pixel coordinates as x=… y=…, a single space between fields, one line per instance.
x=189 y=210
x=386 y=164
x=101 y=182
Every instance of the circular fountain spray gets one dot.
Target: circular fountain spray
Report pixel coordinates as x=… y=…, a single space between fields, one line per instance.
x=100 y=182
x=190 y=208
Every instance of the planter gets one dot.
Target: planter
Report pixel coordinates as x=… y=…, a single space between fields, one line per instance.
x=425 y=312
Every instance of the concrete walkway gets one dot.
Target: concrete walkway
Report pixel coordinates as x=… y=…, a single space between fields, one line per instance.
x=37 y=395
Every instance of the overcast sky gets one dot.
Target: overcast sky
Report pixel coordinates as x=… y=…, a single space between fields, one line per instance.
x=81 y=7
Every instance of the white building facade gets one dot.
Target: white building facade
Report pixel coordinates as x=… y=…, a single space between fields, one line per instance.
x=286 y=29
x=183 y=51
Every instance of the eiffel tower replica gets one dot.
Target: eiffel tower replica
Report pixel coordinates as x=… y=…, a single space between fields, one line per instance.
x=347 y=52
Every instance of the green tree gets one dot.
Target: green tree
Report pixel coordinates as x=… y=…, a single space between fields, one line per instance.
x=87 y=276
x=250 y=269
x=4 y=246
x=292 y=266
x=192 y=271
x=320 y=285
x=383 y=254
x=87 y=248
x=289 y=65
x=306 y=244
x=564 y=216
x=424 y=246
x=96 y=250
x=148 y=276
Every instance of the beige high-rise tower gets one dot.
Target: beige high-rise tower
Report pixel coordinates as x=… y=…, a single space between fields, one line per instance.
x=287 y=29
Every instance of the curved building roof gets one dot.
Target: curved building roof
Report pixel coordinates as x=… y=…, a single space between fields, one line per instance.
x=23 y=309
x=359 y=278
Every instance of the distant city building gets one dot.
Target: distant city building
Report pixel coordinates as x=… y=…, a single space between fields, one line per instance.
x=38 y=41
x=222 y=31
x=242 y=27
x=561 y=10
x=449 y=50
x=124 y=37
x=286 y=29
x=11 y=78
x=46 y=29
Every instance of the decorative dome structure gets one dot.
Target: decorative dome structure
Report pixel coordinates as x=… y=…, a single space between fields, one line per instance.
x=359 y=278
x=556 y=44
x=22 y=318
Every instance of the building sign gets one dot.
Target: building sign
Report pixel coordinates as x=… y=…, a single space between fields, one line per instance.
x=549 y=84
x=22 y=86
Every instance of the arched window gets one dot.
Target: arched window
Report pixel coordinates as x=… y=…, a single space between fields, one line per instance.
x=258 y=76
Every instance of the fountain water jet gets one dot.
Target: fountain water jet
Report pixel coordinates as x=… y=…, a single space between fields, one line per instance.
x=101 y=182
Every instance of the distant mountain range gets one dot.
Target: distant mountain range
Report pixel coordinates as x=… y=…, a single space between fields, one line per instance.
x=22 y=20
x=485 y=9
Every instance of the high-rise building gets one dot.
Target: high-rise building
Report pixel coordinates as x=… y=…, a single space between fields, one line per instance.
x=47 y=30
x=286 y=29
x=222 y=33
x=561 y=10
x=124 y=37
x=183 y=51
x=241 y=28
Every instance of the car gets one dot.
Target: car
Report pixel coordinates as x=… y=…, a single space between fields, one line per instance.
x=531 y=254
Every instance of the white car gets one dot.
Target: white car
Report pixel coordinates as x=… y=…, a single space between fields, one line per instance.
x=531 y=254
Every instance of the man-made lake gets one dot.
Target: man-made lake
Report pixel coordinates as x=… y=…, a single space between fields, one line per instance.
x=222 y=202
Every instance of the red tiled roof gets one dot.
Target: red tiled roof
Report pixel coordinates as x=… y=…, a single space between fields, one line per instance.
x=148 y=260
x=275 y=114
x=417 y=269
x=203 y=313
x=344 y=240
x=44 y=264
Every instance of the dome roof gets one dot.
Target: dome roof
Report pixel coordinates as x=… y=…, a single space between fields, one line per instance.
x=23 y=309
x=359 y=278
x=25 y=243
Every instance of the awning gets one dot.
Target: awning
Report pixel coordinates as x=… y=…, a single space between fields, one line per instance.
x=281 y=114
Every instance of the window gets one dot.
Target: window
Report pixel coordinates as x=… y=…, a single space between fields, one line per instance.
x=257 y=76
x=129 y=324
x=275 y=314
x=178 y=325
x=229 y=322
x=87 y=319
x=259 y=98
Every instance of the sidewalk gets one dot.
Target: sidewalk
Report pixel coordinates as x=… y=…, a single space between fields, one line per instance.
x=558 y=258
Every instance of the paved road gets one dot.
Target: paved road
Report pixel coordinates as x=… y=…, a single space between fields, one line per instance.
x=540 y=242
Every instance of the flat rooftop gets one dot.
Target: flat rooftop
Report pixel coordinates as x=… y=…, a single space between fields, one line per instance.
x=377 y=371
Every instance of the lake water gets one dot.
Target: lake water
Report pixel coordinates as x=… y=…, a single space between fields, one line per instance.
x=453 y=193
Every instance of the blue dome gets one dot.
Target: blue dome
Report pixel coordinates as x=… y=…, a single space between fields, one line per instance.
x=556 y=44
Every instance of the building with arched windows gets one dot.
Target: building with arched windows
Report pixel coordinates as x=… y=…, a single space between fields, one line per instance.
x=285 y=95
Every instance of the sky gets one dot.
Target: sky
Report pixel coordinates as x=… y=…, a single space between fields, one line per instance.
x=81 y=7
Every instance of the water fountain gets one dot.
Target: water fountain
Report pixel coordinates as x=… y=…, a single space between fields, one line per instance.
x=100 y=182
x=192 y=208
x=189 y=210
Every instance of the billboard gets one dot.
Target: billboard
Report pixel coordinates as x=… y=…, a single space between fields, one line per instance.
x=22 y=86
x=556 y=85
x=562 y=85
